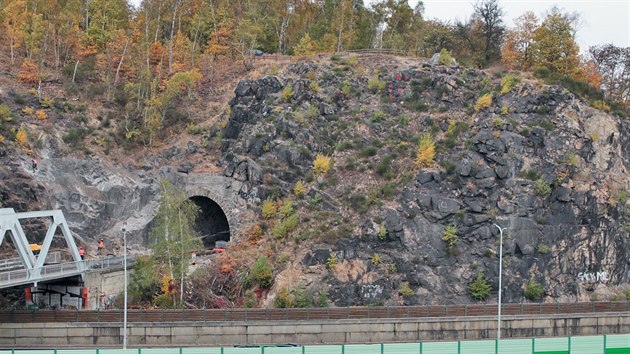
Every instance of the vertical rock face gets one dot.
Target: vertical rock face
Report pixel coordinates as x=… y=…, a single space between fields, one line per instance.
x=96 y=197
x=375 y=228
x=538 y=161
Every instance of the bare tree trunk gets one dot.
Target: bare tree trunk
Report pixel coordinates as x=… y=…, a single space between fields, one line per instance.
x=122 y=57
x=192 y=51
x=170 y=44
x=340 y=28
x=157 y=26
x=12 y=54
x=284 y=25
x=74 y=73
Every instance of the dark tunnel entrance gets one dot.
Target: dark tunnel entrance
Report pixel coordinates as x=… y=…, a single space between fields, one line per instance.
x=211 y=221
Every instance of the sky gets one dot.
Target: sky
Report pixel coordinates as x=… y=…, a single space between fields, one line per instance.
x=603 y=21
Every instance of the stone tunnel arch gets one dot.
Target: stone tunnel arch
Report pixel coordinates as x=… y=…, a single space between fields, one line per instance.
x=220 y=190
x=212 y=221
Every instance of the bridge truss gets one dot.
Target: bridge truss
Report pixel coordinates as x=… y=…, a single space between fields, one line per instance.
x=34 y=267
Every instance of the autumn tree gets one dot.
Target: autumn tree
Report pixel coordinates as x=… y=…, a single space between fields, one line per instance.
x=555 y=46
x=179 y=88
x=29 y=73
x=518 y=48
x=613 y=63
x=306 y=46
x=172 y=233
x=13 y=16
x=105 y=18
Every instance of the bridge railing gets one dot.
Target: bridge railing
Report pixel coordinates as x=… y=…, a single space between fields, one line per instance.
x=301 y=314
x=16 y=262
x=47 y=272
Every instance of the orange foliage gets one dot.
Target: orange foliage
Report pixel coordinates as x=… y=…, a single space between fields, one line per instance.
x=253 y=233
x=29 y=74
x=591 y=74
x=517 y=52
x=87 y=51
x=41 y=114
x=219 y=43
x=156 y=51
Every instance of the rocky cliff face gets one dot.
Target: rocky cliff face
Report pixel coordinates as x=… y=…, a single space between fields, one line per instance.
x=537 y=160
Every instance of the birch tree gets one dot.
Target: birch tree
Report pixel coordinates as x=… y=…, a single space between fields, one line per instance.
x=172 y=233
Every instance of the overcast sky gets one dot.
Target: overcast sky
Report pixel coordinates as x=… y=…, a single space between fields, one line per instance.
x=603 y=21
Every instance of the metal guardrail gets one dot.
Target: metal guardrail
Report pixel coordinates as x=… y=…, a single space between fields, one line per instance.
x=600 y=344
x=61 y=270
x=16 y=262
x=306 y=314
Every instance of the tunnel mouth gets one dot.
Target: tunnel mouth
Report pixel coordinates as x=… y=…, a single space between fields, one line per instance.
x=211 y=222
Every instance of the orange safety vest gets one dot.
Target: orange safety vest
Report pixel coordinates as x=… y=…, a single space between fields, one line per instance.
x=100 y=244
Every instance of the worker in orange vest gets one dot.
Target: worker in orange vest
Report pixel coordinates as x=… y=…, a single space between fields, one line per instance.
x=82 y=252
x=101 y=246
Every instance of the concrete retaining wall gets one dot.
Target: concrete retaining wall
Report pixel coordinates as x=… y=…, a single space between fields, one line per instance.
x=104 y=287
x=186 y=334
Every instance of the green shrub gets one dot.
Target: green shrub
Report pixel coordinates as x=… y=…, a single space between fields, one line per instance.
x=445 y=57
x=268 y=209
x=405 y=290
x=376 y=85
x=287 y=93
x=346 y=88
x=383 y=167
x=322 y=299
x=479 y=288
x=450 y=236
x=286 y=209
x=542 y=72
x=530 y=174
x=484 y=101
x=542 y=188
x=368 y=151
x=164 y=301
x=508 y=82
x=261 y=272
x=547 y=124
x=314 y=86
x=543 y=249
x=283 y=299
x=5 y=113
x=571 y=160
x=302 y=298
x=376 y=259
x=283 y=228
x=331 y=262
x=382 y=232
x=533 y=290
x=74 y=136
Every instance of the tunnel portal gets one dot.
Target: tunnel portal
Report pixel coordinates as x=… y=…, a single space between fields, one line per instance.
x=211 y=223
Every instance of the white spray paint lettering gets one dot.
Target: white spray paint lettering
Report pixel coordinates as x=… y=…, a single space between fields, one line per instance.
x=593 y=277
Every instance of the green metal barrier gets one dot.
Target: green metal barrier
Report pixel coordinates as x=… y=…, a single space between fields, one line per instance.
x=607 y=344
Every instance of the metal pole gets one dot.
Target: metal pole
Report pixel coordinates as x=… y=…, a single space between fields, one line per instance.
x=500 y=274
x=124 y=231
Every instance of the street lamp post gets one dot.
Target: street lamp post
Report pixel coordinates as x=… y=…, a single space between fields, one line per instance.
x=124 y=231
x=500 y=273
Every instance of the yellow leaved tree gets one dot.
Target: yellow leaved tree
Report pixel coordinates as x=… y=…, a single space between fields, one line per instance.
x=426 y=151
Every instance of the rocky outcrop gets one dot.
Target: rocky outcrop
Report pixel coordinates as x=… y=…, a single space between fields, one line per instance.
x=538 y=162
